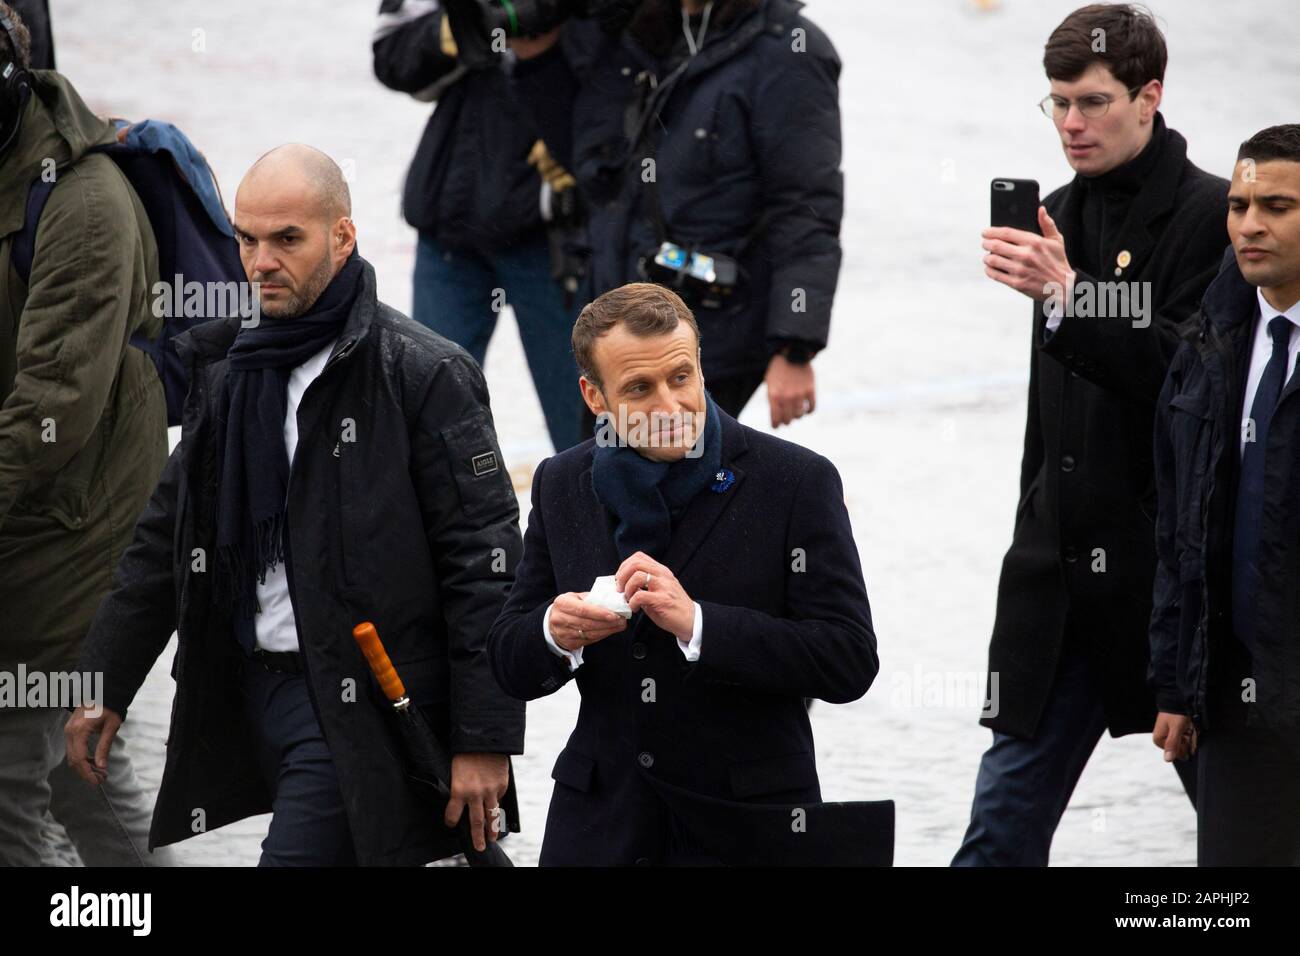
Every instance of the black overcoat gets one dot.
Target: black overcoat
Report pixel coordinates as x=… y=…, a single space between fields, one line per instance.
x=1083 y=550
x=722 y=745
x=389 y=520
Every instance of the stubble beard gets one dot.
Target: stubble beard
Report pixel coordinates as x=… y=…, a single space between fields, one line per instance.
x=302 y=300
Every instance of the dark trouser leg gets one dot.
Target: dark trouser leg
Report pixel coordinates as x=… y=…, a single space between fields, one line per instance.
x=453 y=296
x=546 y=330
x=309 y=825
x=1186 y=770
x=1248 y=802
x=1024 y=786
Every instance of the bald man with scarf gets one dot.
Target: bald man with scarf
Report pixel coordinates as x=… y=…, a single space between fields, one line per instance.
x=337 y=464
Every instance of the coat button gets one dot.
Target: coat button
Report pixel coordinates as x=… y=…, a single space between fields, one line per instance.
x=646 y=759
x=701 y=133
x=1067 y=463
x=638 y=650
x=1070 y=553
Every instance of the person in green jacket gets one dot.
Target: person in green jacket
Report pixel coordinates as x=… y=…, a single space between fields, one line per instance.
x=83 y=438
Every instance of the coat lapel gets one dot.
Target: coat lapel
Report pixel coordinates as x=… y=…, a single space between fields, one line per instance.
x=1069 y=219
x=1151 y=205
x=1292 y=384
x=706 y=507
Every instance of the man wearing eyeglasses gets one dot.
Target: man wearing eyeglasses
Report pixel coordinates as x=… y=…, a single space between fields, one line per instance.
x=1127 y=249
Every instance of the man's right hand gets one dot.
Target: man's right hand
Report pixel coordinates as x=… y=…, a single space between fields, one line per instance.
x=575 y=623
x=1176 y=735
x=77 y=732
x=528 y=47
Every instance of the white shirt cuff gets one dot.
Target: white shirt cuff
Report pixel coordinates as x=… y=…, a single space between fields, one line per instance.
x=691 y=648
x=1055 y=308
x=573 y=657
x=1054 y=315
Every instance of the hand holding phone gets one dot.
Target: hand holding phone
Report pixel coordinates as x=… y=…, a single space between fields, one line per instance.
x=1024 y=249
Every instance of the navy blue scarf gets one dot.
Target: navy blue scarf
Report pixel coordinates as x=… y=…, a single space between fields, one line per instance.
x=646 y=496
x=251 y=457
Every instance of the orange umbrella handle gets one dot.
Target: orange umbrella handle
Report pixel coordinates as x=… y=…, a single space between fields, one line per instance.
x=368 y=639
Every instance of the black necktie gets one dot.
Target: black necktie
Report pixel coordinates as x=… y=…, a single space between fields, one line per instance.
x=1250 y=490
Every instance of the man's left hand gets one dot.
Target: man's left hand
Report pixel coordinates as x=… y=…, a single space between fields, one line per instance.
x=478 y=782
x=649 y=586
x=791 y=389
x=1028 y=262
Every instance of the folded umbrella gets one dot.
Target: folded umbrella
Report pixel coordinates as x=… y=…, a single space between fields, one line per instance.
x=427 y=762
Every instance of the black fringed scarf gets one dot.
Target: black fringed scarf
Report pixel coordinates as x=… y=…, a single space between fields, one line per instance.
x=252 y=460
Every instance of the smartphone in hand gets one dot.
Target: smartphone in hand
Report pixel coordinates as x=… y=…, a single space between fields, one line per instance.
x=1015 y=204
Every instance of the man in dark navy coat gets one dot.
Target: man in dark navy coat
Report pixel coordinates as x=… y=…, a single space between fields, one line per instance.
x=734 y=552
x=1225 y=662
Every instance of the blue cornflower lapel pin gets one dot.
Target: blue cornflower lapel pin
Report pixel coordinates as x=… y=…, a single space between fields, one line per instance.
x=722 y=480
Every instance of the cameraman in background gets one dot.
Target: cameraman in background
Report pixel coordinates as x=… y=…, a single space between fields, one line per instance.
x=475 y=195
x=705 y=137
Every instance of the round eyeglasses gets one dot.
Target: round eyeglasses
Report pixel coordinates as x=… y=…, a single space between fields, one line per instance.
x=1091 y=105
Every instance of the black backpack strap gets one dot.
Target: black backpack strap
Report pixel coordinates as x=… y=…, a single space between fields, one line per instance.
x=639 y=128
x=23 y=250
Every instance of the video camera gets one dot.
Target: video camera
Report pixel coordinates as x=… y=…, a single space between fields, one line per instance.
x=704 y=281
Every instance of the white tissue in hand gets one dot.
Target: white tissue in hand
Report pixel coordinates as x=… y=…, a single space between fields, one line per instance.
x=604 y=593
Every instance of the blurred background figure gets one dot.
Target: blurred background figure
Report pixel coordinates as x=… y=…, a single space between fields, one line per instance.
x=705 y=137
x=475 y=194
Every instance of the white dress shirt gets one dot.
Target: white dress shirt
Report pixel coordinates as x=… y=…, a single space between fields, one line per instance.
x=1260 y=352
x=277 y=630
x=690 y=648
